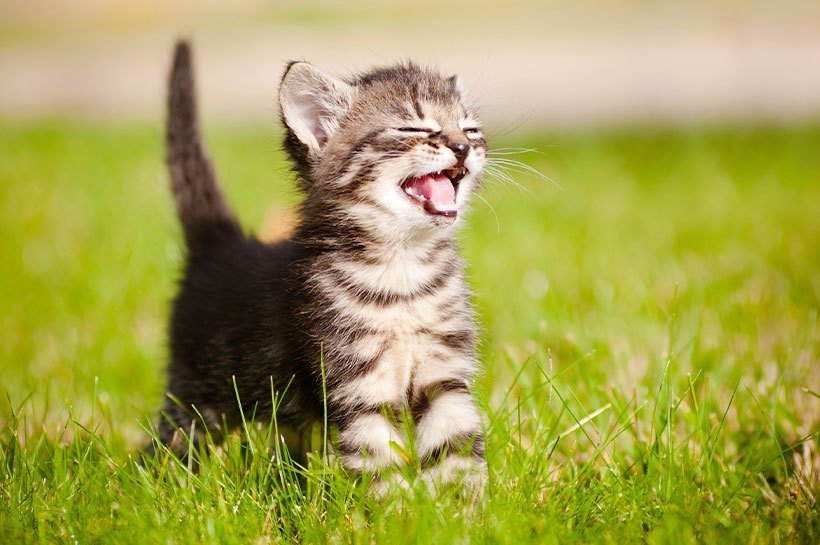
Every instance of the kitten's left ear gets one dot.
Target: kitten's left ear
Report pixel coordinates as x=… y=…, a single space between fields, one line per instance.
x=313 y=103
x=458 y=86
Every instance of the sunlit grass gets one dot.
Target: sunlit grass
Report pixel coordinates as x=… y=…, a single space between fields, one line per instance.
x=650 y=348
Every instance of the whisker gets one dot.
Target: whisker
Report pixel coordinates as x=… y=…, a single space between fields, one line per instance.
x=523 y=168
x=501 y=176
x=513 y=151
x=492 y=209
x=512 y=125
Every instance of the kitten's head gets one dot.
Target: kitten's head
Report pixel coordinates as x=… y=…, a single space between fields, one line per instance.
x=396 y=150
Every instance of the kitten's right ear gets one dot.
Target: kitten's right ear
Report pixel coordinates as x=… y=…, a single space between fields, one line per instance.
x=313 y=103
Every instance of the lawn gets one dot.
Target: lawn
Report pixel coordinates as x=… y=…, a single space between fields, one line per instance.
x=650 y=346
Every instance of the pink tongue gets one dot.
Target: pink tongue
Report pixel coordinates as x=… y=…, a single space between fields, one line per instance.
x=434 y=187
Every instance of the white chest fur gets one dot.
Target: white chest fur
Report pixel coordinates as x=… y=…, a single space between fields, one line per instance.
x=404 y=332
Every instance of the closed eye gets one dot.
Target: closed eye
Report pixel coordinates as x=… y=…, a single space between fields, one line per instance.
x=472 y=132
x=415 y=129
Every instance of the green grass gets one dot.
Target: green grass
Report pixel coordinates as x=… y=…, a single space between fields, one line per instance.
x=650 y=354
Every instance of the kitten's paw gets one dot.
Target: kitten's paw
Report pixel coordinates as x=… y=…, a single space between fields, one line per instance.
x=388 y=486
x=468 y=474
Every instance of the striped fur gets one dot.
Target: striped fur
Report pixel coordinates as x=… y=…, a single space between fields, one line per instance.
x=370 y=289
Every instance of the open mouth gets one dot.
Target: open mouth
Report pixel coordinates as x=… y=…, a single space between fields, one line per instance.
x=436 y=191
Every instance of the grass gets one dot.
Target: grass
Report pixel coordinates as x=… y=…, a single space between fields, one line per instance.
x=650 y=348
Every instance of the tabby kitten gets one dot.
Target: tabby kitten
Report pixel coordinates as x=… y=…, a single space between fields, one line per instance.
x=368 y=292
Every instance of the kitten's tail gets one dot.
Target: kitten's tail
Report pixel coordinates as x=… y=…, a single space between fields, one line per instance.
x=204 y=213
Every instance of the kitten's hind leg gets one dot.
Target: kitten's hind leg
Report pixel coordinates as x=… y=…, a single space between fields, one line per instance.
x=182 y=428
x=295 y=438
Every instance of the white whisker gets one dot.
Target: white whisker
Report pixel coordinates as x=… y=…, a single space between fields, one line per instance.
x=513 y=151
x=499 y=175
x=523 y=168
x=497 y=223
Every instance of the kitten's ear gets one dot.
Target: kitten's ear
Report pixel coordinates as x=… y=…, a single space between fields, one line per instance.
x=313 y=103
x=458 y=86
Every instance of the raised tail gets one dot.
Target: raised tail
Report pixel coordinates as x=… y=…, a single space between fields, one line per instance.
x=204 y=213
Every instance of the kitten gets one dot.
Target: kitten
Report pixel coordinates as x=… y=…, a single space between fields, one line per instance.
x=369 y=291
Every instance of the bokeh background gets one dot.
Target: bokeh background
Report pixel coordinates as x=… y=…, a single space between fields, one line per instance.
x=657 y=245
x=531 y=63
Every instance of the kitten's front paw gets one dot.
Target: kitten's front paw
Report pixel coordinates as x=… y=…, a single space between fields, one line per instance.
x=470 y=474
x=388 y=485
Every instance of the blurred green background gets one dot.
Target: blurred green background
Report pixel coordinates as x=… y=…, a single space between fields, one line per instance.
x=671 y=240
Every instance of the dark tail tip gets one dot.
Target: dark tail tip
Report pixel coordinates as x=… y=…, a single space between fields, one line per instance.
x=182 y=65
x=181 y=97
x=182 y=53
x=182 y=68
x=204 y=213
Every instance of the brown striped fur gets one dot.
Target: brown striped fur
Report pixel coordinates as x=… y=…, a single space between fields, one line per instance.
x=369 y=287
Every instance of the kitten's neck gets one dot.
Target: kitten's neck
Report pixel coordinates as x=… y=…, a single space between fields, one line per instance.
x=350 y=239
x=351 y=242
x=390 y=268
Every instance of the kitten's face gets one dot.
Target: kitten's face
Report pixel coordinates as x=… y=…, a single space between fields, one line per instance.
x=396 y=149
